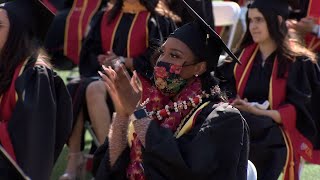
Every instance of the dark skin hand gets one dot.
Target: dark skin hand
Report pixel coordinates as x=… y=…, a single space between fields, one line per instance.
x=118 y=84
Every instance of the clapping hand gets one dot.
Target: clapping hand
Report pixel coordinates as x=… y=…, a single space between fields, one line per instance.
x=304 y=26
x=124 y=96
x=108 y=59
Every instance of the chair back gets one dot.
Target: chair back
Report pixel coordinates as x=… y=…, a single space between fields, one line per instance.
x=226 y=14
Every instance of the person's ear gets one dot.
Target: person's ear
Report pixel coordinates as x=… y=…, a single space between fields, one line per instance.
x=200 y=68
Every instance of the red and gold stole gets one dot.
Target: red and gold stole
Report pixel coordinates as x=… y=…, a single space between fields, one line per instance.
x=277 y=95
x=313 y=42
x=138 y=35
x=7 y=104
x=174 y=122
x=277 y=89
x=77 y=22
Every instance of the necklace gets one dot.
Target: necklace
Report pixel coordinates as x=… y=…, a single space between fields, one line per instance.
x=178 y=106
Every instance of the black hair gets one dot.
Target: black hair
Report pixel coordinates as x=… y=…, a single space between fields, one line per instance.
x=279 y=33
x=20 y=45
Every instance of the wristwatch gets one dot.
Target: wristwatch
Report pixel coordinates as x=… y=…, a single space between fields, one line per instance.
x=122 y=59
x=315 y=30
x=139 y=114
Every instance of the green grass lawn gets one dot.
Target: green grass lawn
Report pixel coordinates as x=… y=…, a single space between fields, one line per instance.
x=310 y=171
x=62 y=161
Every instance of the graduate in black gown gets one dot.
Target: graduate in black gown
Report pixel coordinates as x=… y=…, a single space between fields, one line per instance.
x=68 y=29
x=127 y=30
x=35 y=107
x=182 y=128
x=276 y=89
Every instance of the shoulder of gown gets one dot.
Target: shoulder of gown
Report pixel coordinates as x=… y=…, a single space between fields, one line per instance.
x=41 y=120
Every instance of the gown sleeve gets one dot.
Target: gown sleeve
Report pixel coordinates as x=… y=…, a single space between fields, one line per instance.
x=217 y=151
x=101 y=165
x=41 y=121
x=215 y=148
x=304 y=94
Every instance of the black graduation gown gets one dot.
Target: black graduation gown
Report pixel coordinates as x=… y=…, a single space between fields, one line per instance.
x=215 y=148
x=55 y=38
x=40 y=123
x=54 y=42
x=92 y=47
x=267 y=146
x=159 y=28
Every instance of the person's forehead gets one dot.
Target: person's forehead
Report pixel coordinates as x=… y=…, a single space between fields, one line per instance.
x=175 y=44
x=254 y=12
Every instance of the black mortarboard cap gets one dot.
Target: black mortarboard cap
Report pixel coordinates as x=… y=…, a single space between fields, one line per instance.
x=33 y=15
x=202 y=39
x=280 y=7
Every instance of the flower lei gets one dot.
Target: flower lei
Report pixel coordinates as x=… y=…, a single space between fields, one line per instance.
x=169 y=114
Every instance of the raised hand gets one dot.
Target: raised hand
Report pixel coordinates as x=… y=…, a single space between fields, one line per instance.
x=118 y=85
x=107 y=59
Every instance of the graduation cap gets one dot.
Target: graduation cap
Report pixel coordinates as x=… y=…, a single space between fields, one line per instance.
x=280 y=7
x=33 y=15
x=202 y=39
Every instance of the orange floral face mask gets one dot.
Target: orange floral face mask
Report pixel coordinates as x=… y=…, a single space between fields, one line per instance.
x=167 y=78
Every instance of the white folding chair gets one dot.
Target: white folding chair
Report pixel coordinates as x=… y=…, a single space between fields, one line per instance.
x=251 y=171
x=243 y=13
x=226 y=14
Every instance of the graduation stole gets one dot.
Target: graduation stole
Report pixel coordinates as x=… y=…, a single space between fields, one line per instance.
x=277 y=88
x=7 y=103
x=138 y=35
x=312 y=42
x=77 y=22
x=178 y=122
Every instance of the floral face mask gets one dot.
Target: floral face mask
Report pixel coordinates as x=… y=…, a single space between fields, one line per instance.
x=167 y=78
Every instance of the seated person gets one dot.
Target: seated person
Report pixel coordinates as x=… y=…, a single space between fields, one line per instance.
x=35 y=106
x=67 y=31
x=182 y=127
x=276 y=89
x=124 y=30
